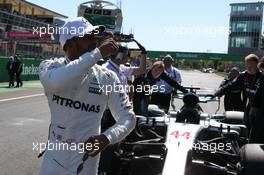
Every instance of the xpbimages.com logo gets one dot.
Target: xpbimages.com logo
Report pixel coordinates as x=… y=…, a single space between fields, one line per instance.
x=65 y=146
x=79 y=27
x=55 y=30
x=212 y=147
x=119 y=88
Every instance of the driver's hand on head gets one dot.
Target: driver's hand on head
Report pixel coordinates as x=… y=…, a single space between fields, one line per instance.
x=99 y=143
x=108 y=47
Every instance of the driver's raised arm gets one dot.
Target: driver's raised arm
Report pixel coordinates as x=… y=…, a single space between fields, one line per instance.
x=122 y=112
x=56 y=75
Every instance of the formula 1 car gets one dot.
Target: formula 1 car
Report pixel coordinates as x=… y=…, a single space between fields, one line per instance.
x=188 y=142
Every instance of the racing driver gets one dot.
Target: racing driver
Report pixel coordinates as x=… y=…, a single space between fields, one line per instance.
x=76 y=97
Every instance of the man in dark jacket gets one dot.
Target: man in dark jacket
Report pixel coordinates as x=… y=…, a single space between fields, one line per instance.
x=248 y=82
x=234 y=100
x=10 y=71
x=257 y=114
x=18 y=70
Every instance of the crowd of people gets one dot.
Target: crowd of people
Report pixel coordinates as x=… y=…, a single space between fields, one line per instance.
x=14 y=69
x=81 y=112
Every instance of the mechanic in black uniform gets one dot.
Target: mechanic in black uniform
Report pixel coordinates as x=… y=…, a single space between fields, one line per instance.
x=145 y=83
x=234 y=100
x=10 y=70
x=248 y=82
x=18 y=69
x=257 y=114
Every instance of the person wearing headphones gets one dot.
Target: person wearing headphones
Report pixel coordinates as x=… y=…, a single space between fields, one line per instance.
x=124 y=74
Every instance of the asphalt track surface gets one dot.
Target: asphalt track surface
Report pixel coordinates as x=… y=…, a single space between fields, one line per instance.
x=24 y=120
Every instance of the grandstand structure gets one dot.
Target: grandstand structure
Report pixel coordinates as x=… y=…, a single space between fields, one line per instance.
x=99 y=12
x=19 y=21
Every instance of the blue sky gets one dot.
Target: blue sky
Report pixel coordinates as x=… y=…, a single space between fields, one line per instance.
x=168 y=25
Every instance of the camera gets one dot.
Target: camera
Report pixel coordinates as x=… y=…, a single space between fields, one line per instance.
x=119 y=37
x=121 y=52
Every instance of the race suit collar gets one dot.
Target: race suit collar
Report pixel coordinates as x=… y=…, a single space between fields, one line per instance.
x=67 y=60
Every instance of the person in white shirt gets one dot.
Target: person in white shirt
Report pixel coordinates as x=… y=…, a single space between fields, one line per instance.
x=73 y=86
x=124 y=74
x=162 y=98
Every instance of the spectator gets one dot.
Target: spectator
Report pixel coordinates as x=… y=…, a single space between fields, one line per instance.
x=145 y=83
x=234 y=100
x=10 y=71
x=163 y=97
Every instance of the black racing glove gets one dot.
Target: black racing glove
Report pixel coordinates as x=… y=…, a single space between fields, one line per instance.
x=142 y=48
x=218 y=93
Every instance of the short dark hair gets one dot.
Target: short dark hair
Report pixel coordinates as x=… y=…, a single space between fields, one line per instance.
x=252 y=58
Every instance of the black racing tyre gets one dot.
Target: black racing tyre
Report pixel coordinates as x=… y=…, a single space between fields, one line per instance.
x=252 y=159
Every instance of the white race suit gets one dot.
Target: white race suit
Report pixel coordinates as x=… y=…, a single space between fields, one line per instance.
x=77 y=98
